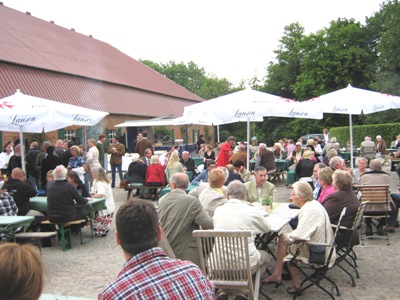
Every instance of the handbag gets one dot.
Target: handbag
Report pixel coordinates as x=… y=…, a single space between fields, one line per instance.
x=317 y=253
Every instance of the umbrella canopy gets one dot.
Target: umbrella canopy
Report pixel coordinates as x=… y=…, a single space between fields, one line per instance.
x=354 y=101
x=248 y=105
x=24 y=113
x=20 y=112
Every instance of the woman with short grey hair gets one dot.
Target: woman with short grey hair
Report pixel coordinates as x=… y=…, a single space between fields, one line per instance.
x=314 y=226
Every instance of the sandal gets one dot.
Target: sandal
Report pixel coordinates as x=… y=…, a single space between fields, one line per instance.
x=222 y=296
x=294 y=291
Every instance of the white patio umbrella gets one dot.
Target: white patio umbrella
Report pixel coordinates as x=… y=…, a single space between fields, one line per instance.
x=354 y=101
x=24 y=113
x=251 y=104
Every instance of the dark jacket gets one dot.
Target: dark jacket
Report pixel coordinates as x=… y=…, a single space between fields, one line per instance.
x=267 y=160
x=31 y=157
x=136 y=172
x=21 y=191
x=233 y=176
x=14 y=162
x=189 y=164
x=48 y=163
x=60 y=201
x=304 y=168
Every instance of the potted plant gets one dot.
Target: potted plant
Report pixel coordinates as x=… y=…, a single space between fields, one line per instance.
x=267 y=202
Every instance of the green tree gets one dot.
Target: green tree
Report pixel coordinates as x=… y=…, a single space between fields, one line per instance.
x=282 y=74
x=194 y=78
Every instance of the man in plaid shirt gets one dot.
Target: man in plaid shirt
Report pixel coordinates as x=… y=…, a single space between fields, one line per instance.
x=148 y=273
x=7 y=205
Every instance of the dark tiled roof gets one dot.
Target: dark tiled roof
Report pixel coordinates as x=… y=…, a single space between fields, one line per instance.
x=88 y=93
x=66 y=66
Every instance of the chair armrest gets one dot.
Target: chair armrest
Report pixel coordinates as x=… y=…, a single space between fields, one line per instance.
x=341 y=227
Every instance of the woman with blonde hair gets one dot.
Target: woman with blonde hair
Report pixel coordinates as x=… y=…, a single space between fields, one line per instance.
x=155 y=175
x=101 y=188
x=174 y=166
x=92 y=158
x=325 y=181
x=213 y=195
x=305 y=166
x=21 y=272
x=278 y=151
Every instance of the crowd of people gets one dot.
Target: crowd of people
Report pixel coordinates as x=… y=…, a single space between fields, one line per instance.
x=227 y=197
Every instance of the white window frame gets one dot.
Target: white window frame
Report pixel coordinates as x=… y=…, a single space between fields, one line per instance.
x=111 y=134
x=69 y=134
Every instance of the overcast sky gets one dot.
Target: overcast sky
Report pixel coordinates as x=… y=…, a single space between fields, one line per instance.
x=229 y=38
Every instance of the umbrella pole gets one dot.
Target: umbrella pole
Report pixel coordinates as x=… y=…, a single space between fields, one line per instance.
x=248 y=143
x=218 y=133
x=22 y=142
x=351 y=141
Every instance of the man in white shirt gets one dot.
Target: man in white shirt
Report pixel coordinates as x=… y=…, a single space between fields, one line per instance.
x=237 y=214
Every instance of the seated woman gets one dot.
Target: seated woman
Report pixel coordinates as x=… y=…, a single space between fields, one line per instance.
x=325 y=181
x=314 y=226
x=74 y=179
x=136 y=171
x=331 y=153
x=209 y=153
x=362 y=167
x=102 y=189
x=343 y=196
x=174 y=166
x=305 y=166
x=278 y=151
x=155 y=175
x=21 y=272
x=213 y=195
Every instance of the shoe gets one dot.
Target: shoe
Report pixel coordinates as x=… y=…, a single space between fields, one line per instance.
x=113 y=186
x=390 y=229
x=294 y=291
x=222 y=296
x=379 y=229
x=241 y=296
x=273 y=281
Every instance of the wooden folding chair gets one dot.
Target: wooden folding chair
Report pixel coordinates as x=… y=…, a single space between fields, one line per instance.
x=345 y=251
x=379 y=205
x=319 y=271
x=224 y=258
x=165 y=245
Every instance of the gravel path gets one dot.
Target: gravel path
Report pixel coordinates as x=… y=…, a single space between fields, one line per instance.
x=85 y=269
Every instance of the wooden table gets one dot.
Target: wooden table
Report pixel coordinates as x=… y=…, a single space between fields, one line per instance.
x=10 y=224
x=281 y=215
x=97 y=204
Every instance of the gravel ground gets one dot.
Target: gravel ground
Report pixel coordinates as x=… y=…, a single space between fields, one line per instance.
x=85 y=269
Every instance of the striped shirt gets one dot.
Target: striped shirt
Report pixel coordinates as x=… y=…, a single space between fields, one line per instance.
x=153 y=275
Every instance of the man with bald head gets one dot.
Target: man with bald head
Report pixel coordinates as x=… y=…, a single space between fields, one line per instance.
x=180 y=214
x=21 y=190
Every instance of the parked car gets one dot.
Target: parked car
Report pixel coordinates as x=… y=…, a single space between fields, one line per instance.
x=304 y=138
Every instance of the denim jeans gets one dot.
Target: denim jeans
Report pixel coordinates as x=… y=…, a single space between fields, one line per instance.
x=113 y=167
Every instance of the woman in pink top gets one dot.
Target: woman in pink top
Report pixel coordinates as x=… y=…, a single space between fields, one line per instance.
x=325 y=181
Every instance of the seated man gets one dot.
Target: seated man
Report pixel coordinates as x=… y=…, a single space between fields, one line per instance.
x=22 y=191
x=187 y=162
x=240 y=169
x=232 y=175
x=258 y=188
x=294 y=156
x=374 y=177
x=332 y=145
x=180 y=214
x=368 y=148
x=236 y=214
x=60 y=198
x=241 y=154
x=203 y=176
x=266 y=159
x=148 y=273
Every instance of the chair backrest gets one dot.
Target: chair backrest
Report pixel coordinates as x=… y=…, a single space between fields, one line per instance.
x=368 y=151
x=375 y=194
x=224 y=258
x=359 y=216
x=165 y=245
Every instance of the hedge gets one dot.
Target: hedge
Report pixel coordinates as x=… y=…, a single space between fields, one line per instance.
x=387 y=131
